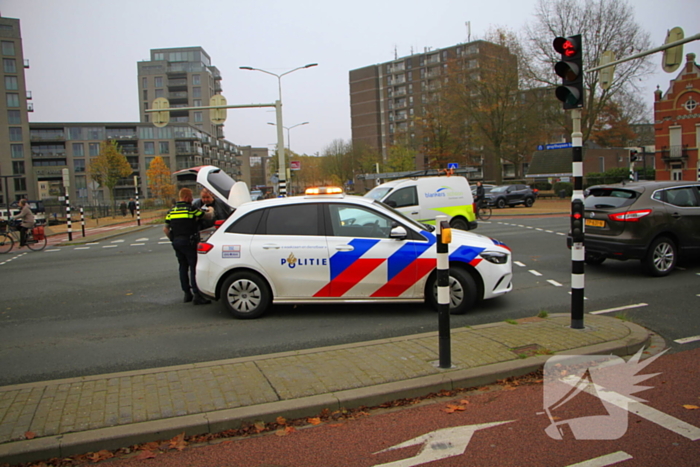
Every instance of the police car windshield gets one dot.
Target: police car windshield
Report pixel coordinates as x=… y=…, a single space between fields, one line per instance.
x=378 y=193
x=407 y=220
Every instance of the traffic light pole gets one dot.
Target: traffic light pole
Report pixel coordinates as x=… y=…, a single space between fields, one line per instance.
x=578 y=252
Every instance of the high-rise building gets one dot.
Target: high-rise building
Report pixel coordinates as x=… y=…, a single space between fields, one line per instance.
x=385 y=99
x=15 y=165
x=186 y=77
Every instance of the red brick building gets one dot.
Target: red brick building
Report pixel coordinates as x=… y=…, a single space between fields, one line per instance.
x=677 y=125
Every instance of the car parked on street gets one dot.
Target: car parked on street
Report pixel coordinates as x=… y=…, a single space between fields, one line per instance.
x=510 y=195
x=333 y=248
x=655 y=222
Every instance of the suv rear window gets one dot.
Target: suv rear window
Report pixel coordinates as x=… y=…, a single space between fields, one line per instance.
x=601 y=198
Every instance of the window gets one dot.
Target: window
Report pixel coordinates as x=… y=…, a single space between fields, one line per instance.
x=79 y=165
x=197 y=103
x=248 y=224
x=20 y=184
x=198 y=117
x=15 y=133
x=11 y=83
x=158 y=82
x=403 y=197
x=149 y=147
x=17 y=151
x=94 y=149
x=8 y=48
x=9 y=65
x=144 y=82
x=12 y=99
x=196 y=79
x=296 y=219
x=78 y=150
x=354 y=221
x=158 y=56
x=196 y=92
x=145 y=94
x=165 y=147
x=160 y=93
x=18 y=167
x=683 y=197
x=14 y=117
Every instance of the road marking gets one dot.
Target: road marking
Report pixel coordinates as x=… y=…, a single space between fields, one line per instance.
x=541 y=230
x=532 y=271
x=562 y=234
x=164 y=243
x=529 y=227
x=602 y=461
x=549 y=231
x=93 y=243
x=687 y=340
x=110 y=246
x=520 y=225
x=55 y=249
x=82 y=248
x=620 y=308
x=163 y=238
x=519 y=264
x=144 y=239
x=118 y=241
x=554 y=283
x=137 y=244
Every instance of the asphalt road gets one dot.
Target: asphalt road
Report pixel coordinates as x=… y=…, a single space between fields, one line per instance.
x=116 y=306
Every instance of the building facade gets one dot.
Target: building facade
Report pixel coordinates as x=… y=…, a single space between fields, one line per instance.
x=186 y=77
x=15 y=163
x=677 y=125
x=385 y=99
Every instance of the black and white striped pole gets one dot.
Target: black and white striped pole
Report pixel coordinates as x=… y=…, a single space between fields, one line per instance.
x=82 y=220
x=578 y=251
x=66 y=185
x=138 y=206
x=444 y=237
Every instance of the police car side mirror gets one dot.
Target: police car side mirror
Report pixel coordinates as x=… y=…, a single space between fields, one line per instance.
x=398 y=232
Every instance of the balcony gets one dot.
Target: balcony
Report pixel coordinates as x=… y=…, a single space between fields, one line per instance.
x=177 y=83
x=29 y=95
x=30 y=107
x=26 y=63
x=48 y=136
x=674 y=153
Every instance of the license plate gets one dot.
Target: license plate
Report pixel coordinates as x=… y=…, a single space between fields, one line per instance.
x=595 y=223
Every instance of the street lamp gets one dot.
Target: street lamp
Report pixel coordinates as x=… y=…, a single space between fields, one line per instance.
x=289 y=138
x=280 y=127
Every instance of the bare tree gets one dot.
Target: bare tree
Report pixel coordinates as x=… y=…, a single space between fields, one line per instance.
x=604 y=25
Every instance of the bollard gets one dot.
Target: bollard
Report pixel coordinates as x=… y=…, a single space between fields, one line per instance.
x=444 y=237
x=82 y=220
x=68 y=218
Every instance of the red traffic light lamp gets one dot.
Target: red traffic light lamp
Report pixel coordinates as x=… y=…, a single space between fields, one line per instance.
x=570 y=70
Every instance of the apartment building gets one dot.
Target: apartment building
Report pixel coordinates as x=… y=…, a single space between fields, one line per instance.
x=186 y=77
x=677 y=125
x=15 y=164
x=386 y=98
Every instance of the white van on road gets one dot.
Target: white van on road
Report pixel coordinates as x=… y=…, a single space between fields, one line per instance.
x=422 y=199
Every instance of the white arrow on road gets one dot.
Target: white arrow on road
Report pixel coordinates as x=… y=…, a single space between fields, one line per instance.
x=439 y=444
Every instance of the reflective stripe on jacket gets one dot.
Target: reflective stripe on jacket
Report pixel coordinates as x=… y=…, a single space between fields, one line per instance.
x=183 y=219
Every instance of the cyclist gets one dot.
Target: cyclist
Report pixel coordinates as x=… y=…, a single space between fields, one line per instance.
x=479 y=194
x=26 y=221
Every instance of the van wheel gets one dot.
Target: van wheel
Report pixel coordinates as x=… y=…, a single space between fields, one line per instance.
x=501 y=203
x=459 y=223
x=661 y=258
x=463 y=291
x=246 y=295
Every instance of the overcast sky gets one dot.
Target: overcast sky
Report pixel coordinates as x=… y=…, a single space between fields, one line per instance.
x=83 y=53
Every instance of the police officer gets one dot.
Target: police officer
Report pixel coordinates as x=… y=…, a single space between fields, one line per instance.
x=182 y=225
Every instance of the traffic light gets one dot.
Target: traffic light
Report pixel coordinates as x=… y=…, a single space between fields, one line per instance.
x=570 y=69
x=633 y=155
x=577 y=220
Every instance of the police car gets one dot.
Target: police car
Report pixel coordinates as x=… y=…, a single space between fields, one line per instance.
x=327 y=247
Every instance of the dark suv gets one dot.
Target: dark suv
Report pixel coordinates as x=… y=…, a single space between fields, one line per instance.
x=653 y=221
x=510 y=195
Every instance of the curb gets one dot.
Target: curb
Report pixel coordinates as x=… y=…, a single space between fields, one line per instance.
x=116 y=437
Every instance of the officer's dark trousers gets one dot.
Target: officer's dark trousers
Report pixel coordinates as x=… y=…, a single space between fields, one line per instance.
x=187 y=259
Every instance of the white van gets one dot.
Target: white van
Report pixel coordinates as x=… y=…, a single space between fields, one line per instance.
x=422 y=199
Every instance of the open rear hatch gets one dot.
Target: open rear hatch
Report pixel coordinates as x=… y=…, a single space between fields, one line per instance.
x=218 y=182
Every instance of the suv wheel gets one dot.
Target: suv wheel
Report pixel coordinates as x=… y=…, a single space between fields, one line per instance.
x=529 y=202
x=246 y=295
x=501 y=203
x=661 y=258
x=462 y=291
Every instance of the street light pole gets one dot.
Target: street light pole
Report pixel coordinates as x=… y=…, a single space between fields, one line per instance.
x=280 y=127
x=289 y=136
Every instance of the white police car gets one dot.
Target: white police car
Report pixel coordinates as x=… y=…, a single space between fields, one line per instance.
x=333 y=248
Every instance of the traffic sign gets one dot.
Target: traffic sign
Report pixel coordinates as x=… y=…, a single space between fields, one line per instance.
x=160 y=119
x=295 y=165
x=605 y=77
x=217 y=116
x=453 y=165
x=673 y=57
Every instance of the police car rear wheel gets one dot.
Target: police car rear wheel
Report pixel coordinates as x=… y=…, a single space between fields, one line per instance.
x=462 y=291
x=246 y=295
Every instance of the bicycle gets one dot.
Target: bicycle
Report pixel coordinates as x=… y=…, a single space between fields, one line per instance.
x=9 y=234
x=483 y=212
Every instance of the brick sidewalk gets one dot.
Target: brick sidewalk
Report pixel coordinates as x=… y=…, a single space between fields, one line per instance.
x=90 y=413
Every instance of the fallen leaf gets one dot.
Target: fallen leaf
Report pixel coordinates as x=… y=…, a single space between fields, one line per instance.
x=100 y=456
x=29 y=435
x=453 y=408
x=178 y=442
x=281 y=421
x=130 y=293
x=285 y=431
x=259 y=426
x=691 y=407
x=314 y=421
x=464 y=402
x=143 y=455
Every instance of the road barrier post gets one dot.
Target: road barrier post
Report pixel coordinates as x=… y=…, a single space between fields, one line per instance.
x=444 y=237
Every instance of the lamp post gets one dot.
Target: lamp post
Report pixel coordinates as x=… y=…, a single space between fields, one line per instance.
x=280 y=133
x=289 y=138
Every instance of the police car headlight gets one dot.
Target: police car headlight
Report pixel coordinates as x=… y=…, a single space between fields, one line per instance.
x=495 y=257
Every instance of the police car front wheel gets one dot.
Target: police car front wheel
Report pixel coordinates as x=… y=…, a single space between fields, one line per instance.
x=463 y=291
x=247 y=295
